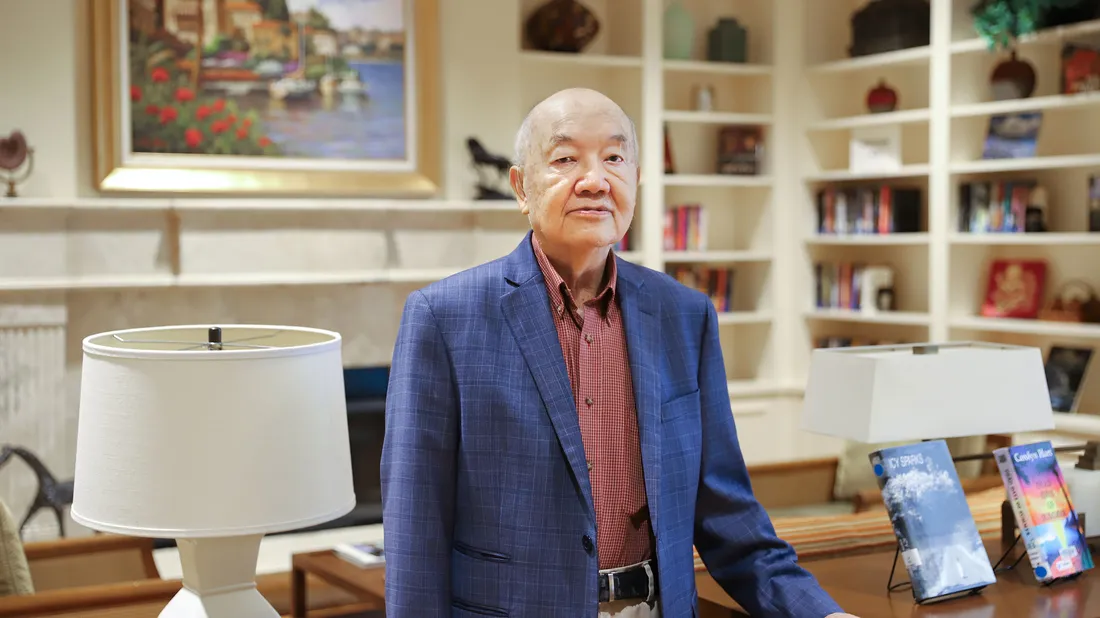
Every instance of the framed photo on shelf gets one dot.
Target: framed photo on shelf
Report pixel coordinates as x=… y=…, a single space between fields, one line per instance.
x=1066 y=369
x=277 y=97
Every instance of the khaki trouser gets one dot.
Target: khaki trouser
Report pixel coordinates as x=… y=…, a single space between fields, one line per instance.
x=631 y=608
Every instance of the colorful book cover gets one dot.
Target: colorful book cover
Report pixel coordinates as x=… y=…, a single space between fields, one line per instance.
x=937 y=536
x=1048 y=523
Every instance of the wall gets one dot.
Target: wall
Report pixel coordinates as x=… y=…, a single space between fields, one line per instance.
x=44 y=64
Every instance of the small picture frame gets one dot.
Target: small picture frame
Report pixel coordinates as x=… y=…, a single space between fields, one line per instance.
x=1066 y=369
x=739 y=150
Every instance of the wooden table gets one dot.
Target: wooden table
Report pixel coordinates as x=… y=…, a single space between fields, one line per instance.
x=368 y=584
x=858 y=583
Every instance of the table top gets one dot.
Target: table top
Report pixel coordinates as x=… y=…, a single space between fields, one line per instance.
x=858 y=584
x=367 y=583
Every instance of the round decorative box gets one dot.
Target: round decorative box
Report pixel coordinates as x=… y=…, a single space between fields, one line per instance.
x=1013 y=79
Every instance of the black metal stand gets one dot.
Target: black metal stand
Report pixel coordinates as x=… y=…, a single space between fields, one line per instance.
x=890 y=585
x=998 y=569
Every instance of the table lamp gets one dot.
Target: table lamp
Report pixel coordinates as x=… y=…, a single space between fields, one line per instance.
x=894 y=393
x=213 y=436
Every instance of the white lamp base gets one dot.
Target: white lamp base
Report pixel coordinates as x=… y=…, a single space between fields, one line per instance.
x=219 y=580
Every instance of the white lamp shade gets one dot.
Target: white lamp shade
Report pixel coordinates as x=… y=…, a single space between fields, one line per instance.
x=176 y=440
x=878 y=394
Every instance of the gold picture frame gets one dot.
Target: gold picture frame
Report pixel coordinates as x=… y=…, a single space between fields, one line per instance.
x=118 y=168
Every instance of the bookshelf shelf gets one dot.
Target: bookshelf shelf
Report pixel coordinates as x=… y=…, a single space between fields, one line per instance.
x=1062 y=162
x=1037 y=239
x=745 y=317
x=903 y=318
x=1046 y=37
x=716 y=117
x=1039 y=328
x=715 y=68
x=236 y=280
x=1040 y=103
x=905 y=171
x=1085 y=425
x=911 y=56
x=715 y=180
x=715 y=257
x=908 y=116
x=593 y=60
x=920 y=238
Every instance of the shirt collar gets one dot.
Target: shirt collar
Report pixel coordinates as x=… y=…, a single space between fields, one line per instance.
x=561 y=298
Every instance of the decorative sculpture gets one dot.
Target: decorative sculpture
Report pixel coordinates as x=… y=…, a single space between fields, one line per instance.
x=481 y=158
x=52 y=494
x=14 y=152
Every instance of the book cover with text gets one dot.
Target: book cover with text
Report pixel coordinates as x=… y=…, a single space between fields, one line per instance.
x=1048 y=523
x=939 y=541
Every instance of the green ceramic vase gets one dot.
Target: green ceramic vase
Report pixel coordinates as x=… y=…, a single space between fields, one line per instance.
x=679 y=32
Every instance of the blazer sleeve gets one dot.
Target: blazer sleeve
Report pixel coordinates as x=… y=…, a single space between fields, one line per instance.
x=418 y=467
x=733 y=534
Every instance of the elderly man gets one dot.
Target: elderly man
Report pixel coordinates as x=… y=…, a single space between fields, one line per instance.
x=558 y=429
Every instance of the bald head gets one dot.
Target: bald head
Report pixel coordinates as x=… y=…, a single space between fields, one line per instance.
x=539 y=128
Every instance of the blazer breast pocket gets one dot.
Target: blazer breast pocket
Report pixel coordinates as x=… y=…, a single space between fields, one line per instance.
x=679 y=406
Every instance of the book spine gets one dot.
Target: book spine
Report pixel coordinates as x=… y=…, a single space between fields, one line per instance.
x=1019 y=508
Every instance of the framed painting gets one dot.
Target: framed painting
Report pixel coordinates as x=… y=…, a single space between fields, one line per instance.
x=291 y=97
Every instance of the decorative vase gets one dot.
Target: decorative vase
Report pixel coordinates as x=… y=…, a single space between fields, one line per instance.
x=727 y=41
x=882 y=98
x=1013 y=79
x=679 y=32
x=562 y=26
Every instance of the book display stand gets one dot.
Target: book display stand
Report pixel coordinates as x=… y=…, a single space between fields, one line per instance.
x=1008 y=531
x=896 y=587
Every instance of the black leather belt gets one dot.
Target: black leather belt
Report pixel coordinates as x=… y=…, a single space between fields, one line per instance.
x=635 y=582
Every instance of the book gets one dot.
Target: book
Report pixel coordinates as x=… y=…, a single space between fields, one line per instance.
x=937 y=536
x=362 y=554
x=1049 y=527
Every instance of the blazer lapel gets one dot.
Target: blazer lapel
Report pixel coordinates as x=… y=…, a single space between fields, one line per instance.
x=642 y=324
x=527 y=310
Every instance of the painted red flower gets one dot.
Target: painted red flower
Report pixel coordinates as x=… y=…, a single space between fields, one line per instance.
x=219 y=105
x=246 y=123
x=159 y=74
x=152 y=110
x=231 y=118
x=264 y=142
x=202 y=112
x=193 y=137
x=184 y=95
x=219 y=126
x=135 y=94
x=168 y=114
x=242 y=133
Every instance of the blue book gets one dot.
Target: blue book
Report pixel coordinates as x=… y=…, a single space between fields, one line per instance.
x=937 y=537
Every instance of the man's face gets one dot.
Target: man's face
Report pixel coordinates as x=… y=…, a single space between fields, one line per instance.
x=580 y=183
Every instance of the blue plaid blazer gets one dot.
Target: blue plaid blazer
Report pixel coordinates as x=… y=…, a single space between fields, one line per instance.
x=487 y=505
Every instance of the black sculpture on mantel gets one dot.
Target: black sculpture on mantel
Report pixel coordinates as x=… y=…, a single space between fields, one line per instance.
x=52 y=494
x=482 y=158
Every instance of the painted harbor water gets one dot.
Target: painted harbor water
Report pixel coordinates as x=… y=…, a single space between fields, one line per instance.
x=341 y=126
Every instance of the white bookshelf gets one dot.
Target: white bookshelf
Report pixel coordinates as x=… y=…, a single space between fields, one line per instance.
x=741 y=227
x=944 y=108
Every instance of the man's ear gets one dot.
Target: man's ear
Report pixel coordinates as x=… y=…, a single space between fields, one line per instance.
x=515 y=178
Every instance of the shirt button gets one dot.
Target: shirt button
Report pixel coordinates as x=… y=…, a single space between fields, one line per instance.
x=588 y=337
x=588 y=400
x=586 y=543
x=560 y=308
x=589 y=465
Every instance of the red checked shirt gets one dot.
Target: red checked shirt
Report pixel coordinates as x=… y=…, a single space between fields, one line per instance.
x=593 y=342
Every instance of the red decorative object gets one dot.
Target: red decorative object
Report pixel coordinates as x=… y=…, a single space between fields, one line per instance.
x=882 y=98
x=1015 y=289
